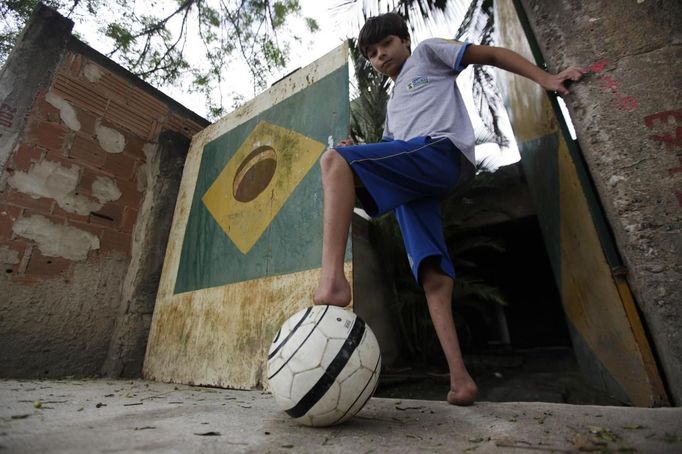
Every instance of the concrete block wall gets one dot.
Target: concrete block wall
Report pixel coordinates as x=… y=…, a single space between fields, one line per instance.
x=627 y=114
x=82 y=153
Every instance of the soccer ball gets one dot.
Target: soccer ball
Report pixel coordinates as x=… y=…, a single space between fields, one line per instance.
x=323 y=365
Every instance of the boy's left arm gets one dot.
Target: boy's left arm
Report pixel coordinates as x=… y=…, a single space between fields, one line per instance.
x=511 y=61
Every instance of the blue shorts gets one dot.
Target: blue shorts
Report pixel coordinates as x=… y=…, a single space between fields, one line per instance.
x=411 y=178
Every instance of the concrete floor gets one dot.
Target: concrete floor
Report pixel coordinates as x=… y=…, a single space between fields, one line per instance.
x=108 y=416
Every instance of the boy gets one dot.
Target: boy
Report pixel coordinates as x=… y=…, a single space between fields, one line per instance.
x=427 y=148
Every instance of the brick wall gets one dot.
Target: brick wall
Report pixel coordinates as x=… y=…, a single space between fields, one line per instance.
x=109 y=122
x=90 y=162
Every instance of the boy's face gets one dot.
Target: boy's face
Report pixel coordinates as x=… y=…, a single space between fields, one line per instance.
x=388 y=55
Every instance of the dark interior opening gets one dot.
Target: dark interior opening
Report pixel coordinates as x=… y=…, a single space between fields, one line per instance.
x=517 y=351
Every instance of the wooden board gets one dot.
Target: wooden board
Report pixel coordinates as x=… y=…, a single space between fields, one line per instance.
x=245 y=246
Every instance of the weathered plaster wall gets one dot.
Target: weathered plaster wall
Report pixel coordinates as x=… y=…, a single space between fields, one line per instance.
x=84 y=204
x=163 y=173
x=628 y=117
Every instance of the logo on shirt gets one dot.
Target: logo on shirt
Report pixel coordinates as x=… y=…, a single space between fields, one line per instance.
x=418 y=83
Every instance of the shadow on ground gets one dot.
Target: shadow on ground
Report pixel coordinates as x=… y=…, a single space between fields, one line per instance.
x=537 y=375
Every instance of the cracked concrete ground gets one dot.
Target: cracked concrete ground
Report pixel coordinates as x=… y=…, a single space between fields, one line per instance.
x=106 y=416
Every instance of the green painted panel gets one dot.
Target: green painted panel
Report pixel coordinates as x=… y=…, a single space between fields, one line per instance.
x=540 y=161
x=292 y=241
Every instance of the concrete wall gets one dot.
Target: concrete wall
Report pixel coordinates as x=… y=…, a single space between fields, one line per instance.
x=90 y=162
x=628 y=117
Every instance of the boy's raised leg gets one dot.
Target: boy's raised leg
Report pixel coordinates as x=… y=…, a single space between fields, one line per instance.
x=438 y=288
x=339 y=198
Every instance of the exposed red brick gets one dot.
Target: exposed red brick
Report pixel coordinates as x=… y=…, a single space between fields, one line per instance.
x=183 y=125
x=135 y=147
x=175 y=123
x=58 y=156
x=68 y=215
x=110 y=216
x=62 y=160
x=142 y=101
x=19 y=246
x=87 y=121
x=45 y=134
x=155 y=130
x=46 y=267
x=192 y=128
x=25 y=156
x=43 y=110
x=88 y=177
x=137 y=122
x=129 y=220
x=82 y=93
x=52 y=217
x=119 y=164
x=87 y=151
x=8 y=214
x=96 y=230
x=73 y=64
x=115 y=241
x=115 y=87
x=41 y=205
x=130 y=196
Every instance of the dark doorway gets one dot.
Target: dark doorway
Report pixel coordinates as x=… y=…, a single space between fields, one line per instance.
x=512 y=327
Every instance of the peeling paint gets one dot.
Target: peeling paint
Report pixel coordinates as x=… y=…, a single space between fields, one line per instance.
x=46 y=179
x=56 y=240
x=105 y=189
x=92 y=72
x=149 y=149
x=51 y=180
x=141 y=178
x=109 y=139
x=66 y=111
x=615 y=179
x=8 y=256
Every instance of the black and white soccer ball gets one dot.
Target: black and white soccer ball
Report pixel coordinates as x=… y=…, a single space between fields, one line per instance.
x=323 y=365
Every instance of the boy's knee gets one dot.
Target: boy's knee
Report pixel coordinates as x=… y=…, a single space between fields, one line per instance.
x=331 y=158
x=433 y=279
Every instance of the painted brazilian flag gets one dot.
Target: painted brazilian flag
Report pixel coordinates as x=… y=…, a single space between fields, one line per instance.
x=257 y=206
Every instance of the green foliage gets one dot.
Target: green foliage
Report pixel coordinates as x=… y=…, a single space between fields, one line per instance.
x=368 y=108
x=120 y=34
x=312 y=24
x=156 y=40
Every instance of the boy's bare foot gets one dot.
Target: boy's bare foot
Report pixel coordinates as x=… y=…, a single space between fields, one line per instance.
x=463 y=394
x=333 y=292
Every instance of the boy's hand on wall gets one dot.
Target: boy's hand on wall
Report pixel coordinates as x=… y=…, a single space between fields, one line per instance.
x=559 y=83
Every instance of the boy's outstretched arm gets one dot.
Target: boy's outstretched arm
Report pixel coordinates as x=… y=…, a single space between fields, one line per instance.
x=511 y=61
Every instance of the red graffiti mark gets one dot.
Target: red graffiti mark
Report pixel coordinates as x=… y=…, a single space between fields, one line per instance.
x=649 y=120
x=608 y=83
x=7 y=115
x=628 y=103
x=675 y=170
x=669 y=140
x=597 y=67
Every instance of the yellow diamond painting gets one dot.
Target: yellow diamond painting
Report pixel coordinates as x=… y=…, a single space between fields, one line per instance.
x=257 y=181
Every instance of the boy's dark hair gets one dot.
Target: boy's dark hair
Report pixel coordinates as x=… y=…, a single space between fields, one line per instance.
x=379 y=27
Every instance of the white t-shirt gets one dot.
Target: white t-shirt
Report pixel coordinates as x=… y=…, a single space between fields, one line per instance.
x=426 y=100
